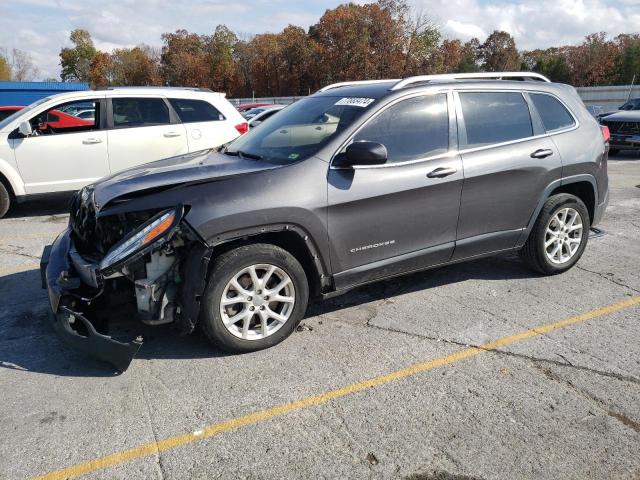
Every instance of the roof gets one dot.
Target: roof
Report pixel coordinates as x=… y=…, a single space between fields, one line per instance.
x=48 y=86
x=171 y=92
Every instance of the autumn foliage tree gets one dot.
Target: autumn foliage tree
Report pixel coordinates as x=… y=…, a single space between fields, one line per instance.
x=385 y=39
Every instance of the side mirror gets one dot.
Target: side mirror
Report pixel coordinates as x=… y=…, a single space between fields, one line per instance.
x=25 y=129
x=362 y=153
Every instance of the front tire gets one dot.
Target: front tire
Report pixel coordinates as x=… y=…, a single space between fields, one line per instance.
x=559 y=235
x=5 y=200
x=256 y=296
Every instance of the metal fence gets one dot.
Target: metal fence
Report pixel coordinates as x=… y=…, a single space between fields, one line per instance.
x=610 y=97
x=275 y=100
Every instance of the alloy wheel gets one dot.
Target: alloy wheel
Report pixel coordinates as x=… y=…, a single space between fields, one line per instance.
x=563 y=235
x=257 y=301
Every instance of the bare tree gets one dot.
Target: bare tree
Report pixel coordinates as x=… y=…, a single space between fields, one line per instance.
x=22 y=66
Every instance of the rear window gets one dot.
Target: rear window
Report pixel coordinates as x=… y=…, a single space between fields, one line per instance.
x=191 y=111
x=495 y=117
x=553 y=114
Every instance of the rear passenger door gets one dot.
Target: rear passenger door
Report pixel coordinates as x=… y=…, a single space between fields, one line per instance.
x=142 y=130
x=508 y=162
x=205 y=124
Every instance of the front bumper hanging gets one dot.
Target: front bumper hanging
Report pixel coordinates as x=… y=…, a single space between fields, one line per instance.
x=60 y=280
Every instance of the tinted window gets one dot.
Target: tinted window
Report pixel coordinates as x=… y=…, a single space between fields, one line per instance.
x=411 y=129
x=495 y=117
x=63 y=118
x=553 y=114
x=195 y=110
x=139 y=112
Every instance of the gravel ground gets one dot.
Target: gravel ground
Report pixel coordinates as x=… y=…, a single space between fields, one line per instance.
x=563 y=404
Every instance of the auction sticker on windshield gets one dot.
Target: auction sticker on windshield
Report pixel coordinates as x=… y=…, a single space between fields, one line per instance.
x=355 y=101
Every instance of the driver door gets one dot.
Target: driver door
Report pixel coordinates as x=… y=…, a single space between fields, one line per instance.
x=64 y=152
x=400 y=216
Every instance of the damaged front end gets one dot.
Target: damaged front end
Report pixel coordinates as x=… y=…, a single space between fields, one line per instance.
x=107 y=265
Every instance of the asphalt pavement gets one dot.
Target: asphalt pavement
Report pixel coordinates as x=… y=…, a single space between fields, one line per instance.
x=482 y=370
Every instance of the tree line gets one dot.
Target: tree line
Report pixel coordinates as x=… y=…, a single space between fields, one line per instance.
x=385 y=39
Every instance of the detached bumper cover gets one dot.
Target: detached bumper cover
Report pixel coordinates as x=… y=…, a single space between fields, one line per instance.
x=59 y=278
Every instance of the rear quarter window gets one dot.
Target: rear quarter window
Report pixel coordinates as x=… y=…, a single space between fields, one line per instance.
x=554 y=115
x=191 y=111
x=495 y=117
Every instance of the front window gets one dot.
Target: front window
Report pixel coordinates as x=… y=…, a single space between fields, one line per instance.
x=64 y=118
x=300 y=130
x=15 y=115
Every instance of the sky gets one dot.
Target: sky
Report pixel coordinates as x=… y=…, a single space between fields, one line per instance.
x=42 y=27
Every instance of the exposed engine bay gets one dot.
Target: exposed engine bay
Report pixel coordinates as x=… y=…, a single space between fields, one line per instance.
x=128 y=263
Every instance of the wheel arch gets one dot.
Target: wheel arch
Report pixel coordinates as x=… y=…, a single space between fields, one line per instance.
x=197 y=267
x=292 y=238
x=11 y=179
x=582 y=186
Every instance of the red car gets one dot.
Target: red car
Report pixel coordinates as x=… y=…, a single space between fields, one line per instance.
x=5 y=111
x=249 y=106
x=55 y=119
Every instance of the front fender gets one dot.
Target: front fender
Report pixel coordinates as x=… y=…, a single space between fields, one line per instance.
x=9 y=170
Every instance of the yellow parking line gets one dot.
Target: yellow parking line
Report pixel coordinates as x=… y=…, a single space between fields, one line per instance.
x=252 y=418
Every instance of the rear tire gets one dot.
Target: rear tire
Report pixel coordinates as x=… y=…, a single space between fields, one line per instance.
x=253 y=290
x=614 y=151
x=5 y=200
x=559 y=235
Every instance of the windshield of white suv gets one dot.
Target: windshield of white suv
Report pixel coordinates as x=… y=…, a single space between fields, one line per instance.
x=300 y=130
x=14 y=115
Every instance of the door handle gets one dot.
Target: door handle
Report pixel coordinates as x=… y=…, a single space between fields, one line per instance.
x=284 y=131
x=542 y=153
x=91 y=141
x=171 y=134
x=441 y=172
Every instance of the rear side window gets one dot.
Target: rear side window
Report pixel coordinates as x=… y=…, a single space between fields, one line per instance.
x=191 y=111
x=411 y=129
x=553 y=114
x=495 y=117
x=139 y=112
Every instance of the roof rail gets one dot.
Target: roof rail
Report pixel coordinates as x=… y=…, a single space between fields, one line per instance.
x=360 y=82
x=471 y=76
x=140 y=87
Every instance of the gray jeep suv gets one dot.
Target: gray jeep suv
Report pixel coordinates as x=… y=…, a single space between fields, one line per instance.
x=359 y=182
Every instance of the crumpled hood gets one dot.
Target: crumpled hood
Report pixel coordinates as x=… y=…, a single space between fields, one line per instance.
x=623 y=116
x=192 y=167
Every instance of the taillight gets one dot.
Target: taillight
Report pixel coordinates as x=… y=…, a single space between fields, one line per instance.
x=606 y=134
x=243 y=128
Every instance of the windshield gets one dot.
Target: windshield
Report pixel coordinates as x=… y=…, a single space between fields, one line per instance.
x=15 y=115
x=300 y=130
x=631 y=105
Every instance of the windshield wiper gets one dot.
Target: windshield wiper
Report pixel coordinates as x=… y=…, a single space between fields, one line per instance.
x=240 y=153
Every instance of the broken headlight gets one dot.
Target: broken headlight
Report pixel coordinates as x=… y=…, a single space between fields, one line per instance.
x=139 y=240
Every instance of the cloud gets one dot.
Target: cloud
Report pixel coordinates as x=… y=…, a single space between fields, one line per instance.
x=41 y=27
x=533 y=23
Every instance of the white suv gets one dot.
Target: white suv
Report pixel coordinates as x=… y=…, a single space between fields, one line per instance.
x=46 y=148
